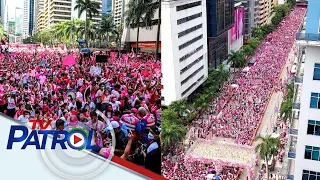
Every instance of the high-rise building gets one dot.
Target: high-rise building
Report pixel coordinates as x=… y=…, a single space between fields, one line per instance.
x=106 y=6
x=41 y=21
x=95 y=19
x=184 y=55
x=38 y=7
x=26 y=18
x=264 y=11
x=251 y=16
x=56 y=11
x=220 y=18
x=31 y=16
x=118 y=10
x=306 y=103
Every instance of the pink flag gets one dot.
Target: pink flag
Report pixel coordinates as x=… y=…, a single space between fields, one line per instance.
x=69 y=60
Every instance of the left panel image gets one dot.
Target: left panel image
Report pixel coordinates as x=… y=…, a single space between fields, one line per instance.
x=86 y=75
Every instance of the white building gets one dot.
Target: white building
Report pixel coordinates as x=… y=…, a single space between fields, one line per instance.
x=25 y=21
x=184 y=52
x=307 y=159
x=38 y=7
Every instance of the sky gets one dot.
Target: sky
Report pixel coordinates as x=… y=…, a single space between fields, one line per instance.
x=12 y=4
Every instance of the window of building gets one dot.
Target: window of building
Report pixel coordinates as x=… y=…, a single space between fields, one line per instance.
x=312 y=153
x=191 y=65
x=187 y=31
x=187 y=6
x=189 y=18
x=192 y=85
x=191 y=75
x=310 y=175
x=186 y=44
x=315 y=101
x=190 y=53
x=313 y=127
x=316 y=72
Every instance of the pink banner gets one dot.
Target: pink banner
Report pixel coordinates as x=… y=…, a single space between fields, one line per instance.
x=236 y=31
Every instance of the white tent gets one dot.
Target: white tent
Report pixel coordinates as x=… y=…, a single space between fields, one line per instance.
x=246 y=69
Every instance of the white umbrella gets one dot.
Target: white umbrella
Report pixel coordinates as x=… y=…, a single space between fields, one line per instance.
x=246 y=69
x=234 y=85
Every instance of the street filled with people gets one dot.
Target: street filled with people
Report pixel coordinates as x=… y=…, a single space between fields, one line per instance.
x=238 y=111
x=72 y=89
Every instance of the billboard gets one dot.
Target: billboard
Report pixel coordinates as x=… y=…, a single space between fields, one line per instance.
x=237 y=29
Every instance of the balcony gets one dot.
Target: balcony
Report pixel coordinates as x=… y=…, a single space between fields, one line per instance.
x=291 y=155
x=296 y=106
x=307 y=36
x=293 y=132
x=290 y=177
x=298 y=80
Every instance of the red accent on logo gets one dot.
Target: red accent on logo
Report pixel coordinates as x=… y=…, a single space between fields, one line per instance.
x=76 y=139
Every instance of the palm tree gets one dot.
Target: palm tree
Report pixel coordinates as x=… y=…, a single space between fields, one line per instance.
x=172 y=130
x=179 y=106
x=118 y=32
x=222 y=74
x=237 y=58
x=267 y=148
x=286 y=110
x=71 y=30
x=257 y=32
x=106 y=27
x=90 y=8
x=91 y=31
x=247 y=50
x=253 y=43
x=135 y=15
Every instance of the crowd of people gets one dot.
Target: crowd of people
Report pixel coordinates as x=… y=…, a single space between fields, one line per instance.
x=237 y=112
x=242 y=108
x=36 y=84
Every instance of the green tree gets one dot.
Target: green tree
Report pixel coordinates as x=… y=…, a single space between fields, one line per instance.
x=179 y=106
x=237 y=58
x=106 y=27
x=172 y=130
x=138 y=15
x=257 y=32
x=253 y=43
x=286 y=106
x=72 y=28
x=90 y=8
x=267 y=148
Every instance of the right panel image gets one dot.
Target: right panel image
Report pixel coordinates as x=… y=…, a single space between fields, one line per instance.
x=232 y=96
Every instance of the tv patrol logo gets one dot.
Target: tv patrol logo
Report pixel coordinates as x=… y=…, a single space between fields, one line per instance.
x=57 y=148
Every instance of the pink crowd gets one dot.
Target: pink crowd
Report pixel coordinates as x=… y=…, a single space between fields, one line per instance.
x=242 y=108
x=237 y=113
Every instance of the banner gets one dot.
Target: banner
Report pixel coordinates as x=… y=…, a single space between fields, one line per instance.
x=237 y=29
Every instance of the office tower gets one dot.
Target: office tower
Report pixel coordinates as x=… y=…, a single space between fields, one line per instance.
x=184 y=24
x=55 y=11
x=264 y=11
x=220 y=18
x=26 y=18
x=251 y=16
x=305 y=155
x=107 y=7
x=38 y=7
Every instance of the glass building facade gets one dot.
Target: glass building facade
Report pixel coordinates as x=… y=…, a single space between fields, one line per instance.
x=31 y=15
x=220 y=18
